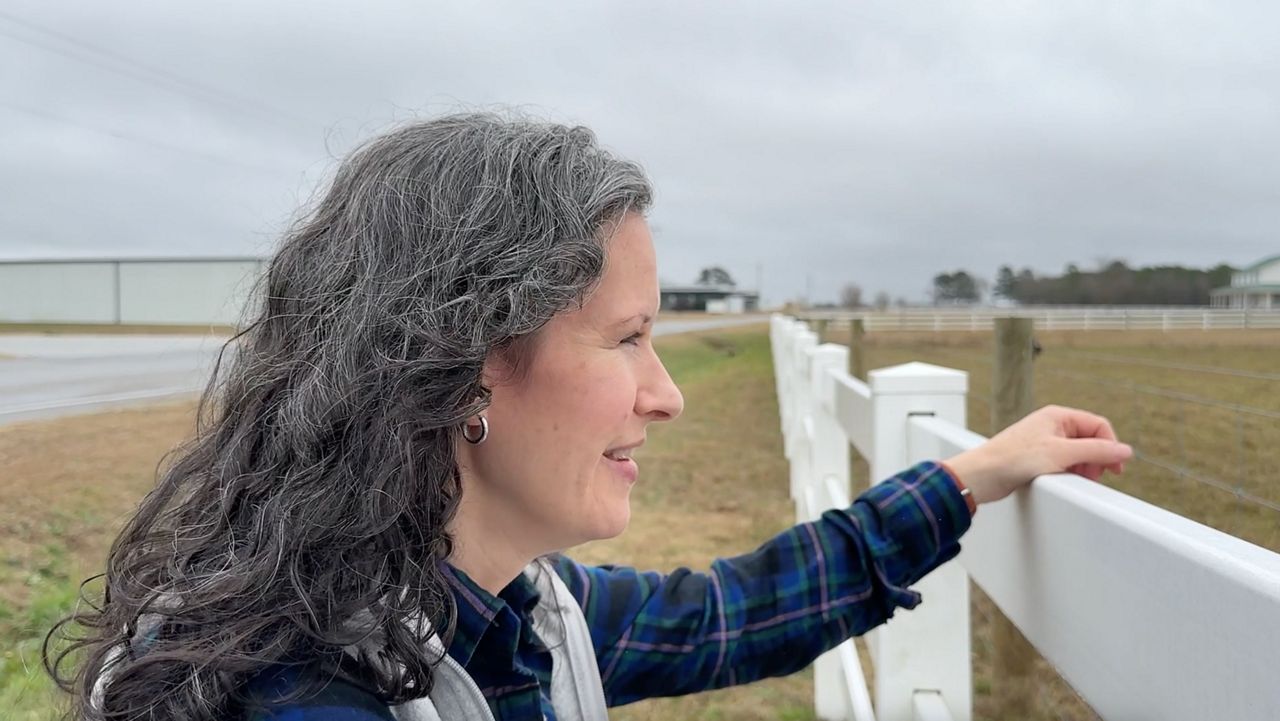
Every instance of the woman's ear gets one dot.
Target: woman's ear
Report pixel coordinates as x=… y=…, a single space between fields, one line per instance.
x=505 y=364
x=497 y=370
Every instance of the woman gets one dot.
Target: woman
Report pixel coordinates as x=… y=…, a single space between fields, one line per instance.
x=449 y=373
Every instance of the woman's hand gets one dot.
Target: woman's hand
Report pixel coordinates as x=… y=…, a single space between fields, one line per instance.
x=1052 y=439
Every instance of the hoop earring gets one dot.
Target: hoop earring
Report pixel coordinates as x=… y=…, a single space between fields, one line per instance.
x=484 y=432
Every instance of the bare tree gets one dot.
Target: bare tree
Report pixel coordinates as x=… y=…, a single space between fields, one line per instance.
x=715 y=275
x=851 y=296
x=882 y=301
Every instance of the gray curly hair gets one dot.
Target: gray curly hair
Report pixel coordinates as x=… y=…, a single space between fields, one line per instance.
x=322 y=477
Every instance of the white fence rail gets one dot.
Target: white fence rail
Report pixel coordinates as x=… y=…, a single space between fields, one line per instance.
x=1147 y=614
x=1064 y=318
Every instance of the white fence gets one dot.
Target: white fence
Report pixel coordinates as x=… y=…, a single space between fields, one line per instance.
x=1148 y=615
x=1059 y=318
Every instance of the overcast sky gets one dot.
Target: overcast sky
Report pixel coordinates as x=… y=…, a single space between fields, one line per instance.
x=875 y=143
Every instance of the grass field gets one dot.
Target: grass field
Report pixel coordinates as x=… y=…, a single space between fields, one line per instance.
x=1216 y=418
x=707 y=489
x=713 y=483
x=1099 y=371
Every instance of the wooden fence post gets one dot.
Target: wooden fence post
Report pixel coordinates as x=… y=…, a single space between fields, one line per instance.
x=857 y=351
x=1014 y=657
x=820 y=328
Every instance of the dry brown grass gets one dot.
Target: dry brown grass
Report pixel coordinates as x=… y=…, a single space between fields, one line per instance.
x=713 y=483
x=71 y=481
x=1238 y=448
x=708 y=489
x=67 y=486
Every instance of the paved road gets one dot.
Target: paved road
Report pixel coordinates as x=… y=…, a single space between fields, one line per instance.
x=43 y=376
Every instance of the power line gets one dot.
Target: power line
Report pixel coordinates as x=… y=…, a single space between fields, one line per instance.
x=159 y=77
x=111 y=132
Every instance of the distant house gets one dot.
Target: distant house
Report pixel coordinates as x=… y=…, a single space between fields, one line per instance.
x=709 y=298
x=1257 y=286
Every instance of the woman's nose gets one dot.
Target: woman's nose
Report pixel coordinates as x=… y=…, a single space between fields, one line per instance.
x=660 y=399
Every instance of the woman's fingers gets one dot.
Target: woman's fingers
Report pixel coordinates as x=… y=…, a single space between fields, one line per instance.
x=1092 y=446
x=1083 y=424
x=1091 y=455
x=1051 y=440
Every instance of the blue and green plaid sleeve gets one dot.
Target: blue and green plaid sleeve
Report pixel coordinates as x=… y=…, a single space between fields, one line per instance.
x=772 y=611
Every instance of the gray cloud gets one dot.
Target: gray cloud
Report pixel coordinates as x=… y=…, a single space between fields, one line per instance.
x=876 y=143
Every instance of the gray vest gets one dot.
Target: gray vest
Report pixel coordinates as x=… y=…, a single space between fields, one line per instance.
x=577 y=694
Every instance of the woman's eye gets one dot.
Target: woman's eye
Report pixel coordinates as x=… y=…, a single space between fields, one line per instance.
x=632 y=339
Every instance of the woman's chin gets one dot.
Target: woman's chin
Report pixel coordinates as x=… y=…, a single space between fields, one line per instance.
x=612 y=522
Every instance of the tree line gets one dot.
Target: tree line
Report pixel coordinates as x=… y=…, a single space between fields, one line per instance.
x=1115 y=283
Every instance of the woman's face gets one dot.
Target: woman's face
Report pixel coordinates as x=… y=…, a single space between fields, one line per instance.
x=553 y=472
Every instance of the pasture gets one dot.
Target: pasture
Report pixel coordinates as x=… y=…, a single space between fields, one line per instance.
x=713 y=483
x=1202 y=410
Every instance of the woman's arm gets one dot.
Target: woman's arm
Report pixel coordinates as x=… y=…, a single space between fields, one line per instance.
x=772 y=611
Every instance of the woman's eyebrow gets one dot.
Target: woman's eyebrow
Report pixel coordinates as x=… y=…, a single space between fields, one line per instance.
x=645 y=316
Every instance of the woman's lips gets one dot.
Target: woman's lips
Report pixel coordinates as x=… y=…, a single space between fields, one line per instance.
x=628 y=469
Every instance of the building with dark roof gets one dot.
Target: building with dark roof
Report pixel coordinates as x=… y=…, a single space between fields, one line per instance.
x=1255 y=287
x=709 y=298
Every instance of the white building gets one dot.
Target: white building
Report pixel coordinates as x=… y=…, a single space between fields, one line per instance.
x=158 y=291
x=1257 y=286
x=710 y=298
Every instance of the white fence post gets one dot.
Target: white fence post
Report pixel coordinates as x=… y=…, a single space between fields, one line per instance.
x=781 y=340
x=926 y=648
x=802 y=423
x=782 y=331
x=829 y=450
x=829 y=459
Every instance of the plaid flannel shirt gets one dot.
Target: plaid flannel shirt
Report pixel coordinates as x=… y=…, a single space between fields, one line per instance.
x=767 y=613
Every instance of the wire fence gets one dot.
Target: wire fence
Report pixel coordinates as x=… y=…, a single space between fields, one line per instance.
x=1206 y=443
x=1226 y=447
x=1190 y=367
x=1165 y=393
